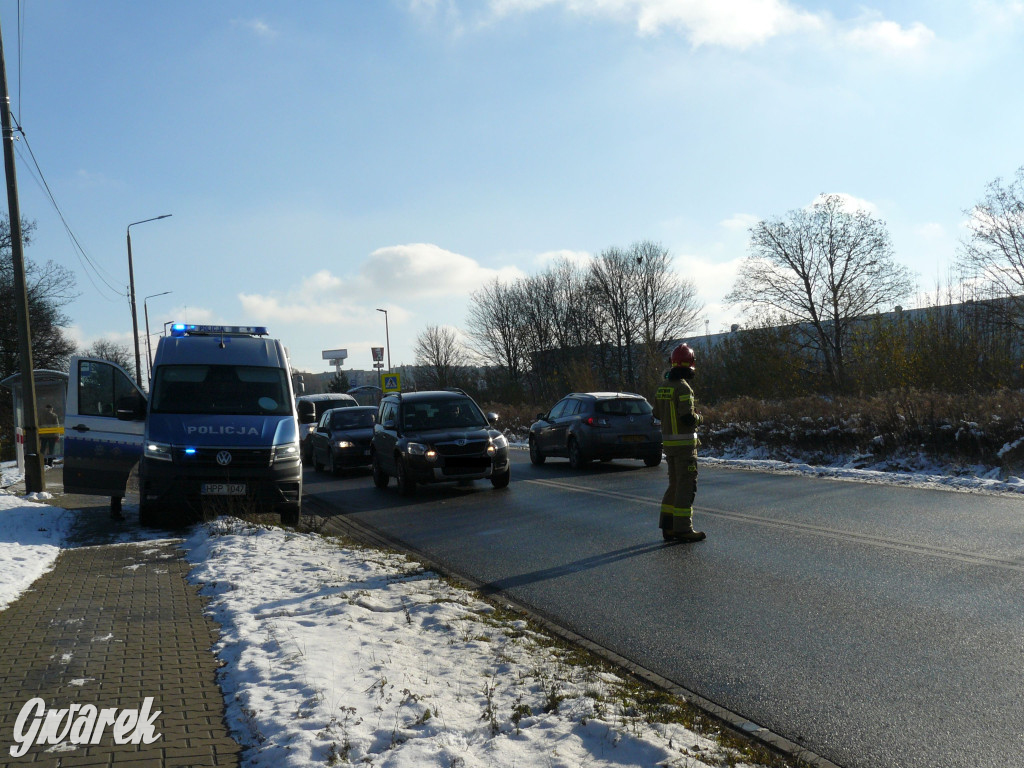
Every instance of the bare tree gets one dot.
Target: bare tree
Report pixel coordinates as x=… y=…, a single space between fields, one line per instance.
x=821 y=268
x=50 y=287
x=992 y=257
x=495 y=328
x=441 y=356
x=105 y=349
x=668 y=303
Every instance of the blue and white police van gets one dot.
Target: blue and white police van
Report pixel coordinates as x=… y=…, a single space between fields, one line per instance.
x=218 y=431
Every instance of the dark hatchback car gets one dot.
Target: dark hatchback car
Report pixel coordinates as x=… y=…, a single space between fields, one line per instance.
x=436 y=437
x=342 y=438
x=597 y=425
x=310 y=409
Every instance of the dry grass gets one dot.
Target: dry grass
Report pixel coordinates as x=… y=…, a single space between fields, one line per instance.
x=959 y=427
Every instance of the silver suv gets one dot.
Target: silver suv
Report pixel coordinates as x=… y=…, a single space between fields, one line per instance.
x=597 y=425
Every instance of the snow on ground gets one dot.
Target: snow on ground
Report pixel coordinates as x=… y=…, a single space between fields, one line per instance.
x=341 y=654
x=31 y=537
x=335 y=653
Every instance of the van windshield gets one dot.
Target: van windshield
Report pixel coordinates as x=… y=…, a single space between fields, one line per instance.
x=227 y=389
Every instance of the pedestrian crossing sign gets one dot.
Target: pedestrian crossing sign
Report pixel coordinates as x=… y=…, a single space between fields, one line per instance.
x=390 y=382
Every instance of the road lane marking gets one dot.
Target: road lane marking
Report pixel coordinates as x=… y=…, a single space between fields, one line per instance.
x=972 y=558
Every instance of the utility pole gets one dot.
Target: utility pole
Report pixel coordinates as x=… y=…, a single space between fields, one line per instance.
x=34 y=481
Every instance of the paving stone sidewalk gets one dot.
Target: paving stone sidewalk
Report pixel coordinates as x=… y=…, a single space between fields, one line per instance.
x=114 y=622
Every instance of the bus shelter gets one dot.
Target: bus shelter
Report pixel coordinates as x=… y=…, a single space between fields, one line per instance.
x=51 y=397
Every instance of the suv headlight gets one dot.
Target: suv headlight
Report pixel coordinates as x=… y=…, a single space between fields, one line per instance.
x=497 y=443
x=285 y=453
x=158 y=451
x=419 y=449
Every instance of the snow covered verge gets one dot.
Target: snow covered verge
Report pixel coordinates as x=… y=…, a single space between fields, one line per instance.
x=339 y=654
x=905 y=467
x=31 y=537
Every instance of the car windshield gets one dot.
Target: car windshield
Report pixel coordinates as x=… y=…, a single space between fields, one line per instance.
x=444 y=414
x=227 y=389
x=353 y=419
x=623 y=407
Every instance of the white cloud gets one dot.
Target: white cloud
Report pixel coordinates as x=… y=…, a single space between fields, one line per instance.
x=888 y=36
x=931 y=231
x=579 y=258
x=424 y=269
x=740 y=221
x=737 y=24
x=258 y=27
x=729 y=23
x=850 y=203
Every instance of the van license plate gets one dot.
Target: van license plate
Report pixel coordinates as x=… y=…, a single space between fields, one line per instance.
x=223 y=489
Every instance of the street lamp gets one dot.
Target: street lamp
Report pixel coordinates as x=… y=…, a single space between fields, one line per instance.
x=149 y=351
x=387 y=337
x=131 y=283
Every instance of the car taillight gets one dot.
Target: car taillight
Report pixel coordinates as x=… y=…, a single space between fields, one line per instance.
x=592 y=421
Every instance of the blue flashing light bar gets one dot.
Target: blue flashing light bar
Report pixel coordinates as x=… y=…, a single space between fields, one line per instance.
x=183 y=329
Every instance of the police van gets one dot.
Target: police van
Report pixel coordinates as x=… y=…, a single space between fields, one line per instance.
x=218 y=431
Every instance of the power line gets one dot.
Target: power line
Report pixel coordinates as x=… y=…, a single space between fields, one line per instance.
x=37 y=174
x=80 y=252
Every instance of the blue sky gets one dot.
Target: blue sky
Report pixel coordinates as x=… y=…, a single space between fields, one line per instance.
x=322 y=159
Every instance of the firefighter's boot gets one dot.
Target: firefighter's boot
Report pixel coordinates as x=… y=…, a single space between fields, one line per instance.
x=683 y=530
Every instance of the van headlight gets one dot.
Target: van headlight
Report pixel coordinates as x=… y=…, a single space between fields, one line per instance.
x=158 y=451
x=286 y=453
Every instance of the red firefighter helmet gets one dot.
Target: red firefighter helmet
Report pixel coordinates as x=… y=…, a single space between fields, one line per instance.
x=683 y=356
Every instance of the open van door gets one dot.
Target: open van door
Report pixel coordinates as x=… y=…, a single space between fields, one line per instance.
x=103 y=428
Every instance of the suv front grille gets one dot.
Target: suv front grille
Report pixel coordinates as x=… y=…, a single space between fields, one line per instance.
x=240 y=457
x=471 y=448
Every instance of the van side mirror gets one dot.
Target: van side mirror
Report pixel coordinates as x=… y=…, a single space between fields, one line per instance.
x=307 y=412
x=131 y=408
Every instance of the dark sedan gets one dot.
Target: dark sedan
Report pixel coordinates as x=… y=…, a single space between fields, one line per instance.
x=342 y=438
x=584 y=426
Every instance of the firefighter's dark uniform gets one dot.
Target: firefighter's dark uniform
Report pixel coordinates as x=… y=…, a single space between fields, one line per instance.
x=679 y=423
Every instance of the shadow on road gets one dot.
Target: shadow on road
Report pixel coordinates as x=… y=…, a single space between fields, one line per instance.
x=587 y=563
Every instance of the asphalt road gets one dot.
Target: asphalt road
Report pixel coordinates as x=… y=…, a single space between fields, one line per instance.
x=879 y=626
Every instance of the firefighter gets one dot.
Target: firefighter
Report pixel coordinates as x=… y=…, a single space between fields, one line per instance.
x=679 y=423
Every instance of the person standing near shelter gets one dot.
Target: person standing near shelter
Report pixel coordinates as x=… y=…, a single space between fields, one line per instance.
x=48 y=419
x=679 y=421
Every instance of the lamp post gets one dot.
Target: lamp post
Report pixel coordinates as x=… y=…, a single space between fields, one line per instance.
x=387 y=336
x=131 y=284
x=149 y=351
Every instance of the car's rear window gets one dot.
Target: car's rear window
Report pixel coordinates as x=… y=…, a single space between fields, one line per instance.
x=624 y=407
x=353 y=420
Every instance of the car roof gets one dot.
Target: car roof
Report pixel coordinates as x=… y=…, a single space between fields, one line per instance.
x=608 y=395
x=340 y=397
x=353 y=409
x=434 y=395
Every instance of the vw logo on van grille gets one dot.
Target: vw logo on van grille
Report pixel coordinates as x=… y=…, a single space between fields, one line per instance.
x=224 y=458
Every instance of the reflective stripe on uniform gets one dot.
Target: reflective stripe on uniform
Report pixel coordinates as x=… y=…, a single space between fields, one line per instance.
x=682 y=512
